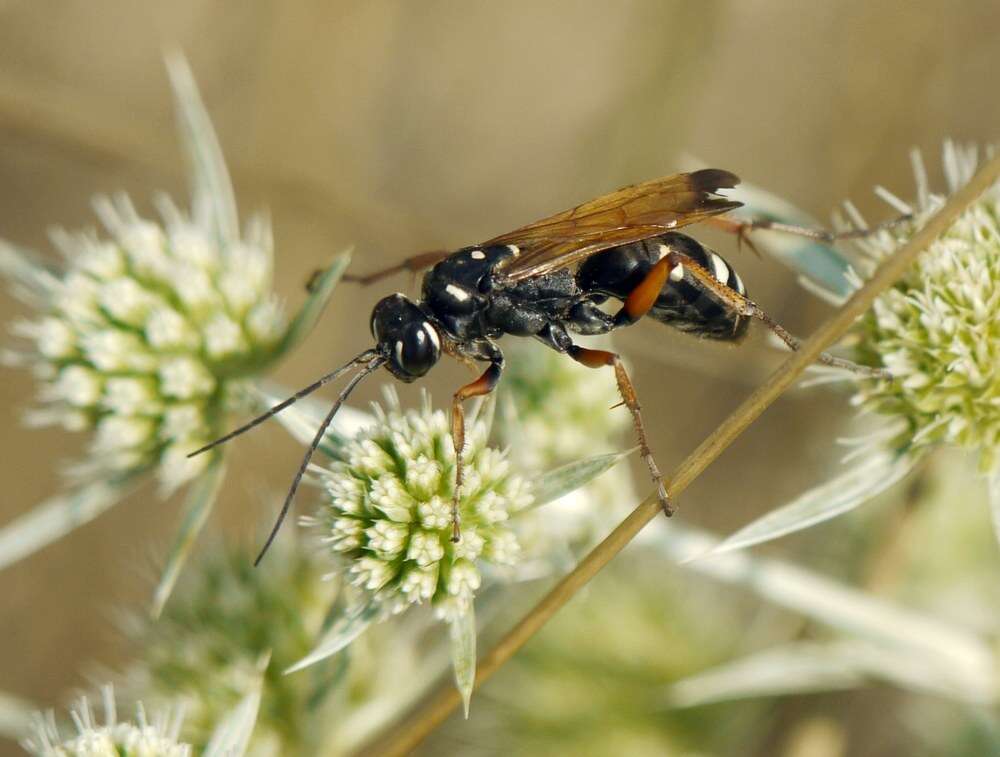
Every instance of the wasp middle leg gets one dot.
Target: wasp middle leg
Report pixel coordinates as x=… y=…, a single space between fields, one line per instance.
x=600 y=358
x=636 y=304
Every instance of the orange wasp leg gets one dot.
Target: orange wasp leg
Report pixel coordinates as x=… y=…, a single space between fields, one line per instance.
x=600 y=359
x=636 y=305
x=643 y=297
x=478 y=388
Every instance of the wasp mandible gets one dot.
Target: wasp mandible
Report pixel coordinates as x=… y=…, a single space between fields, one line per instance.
x=549 y=279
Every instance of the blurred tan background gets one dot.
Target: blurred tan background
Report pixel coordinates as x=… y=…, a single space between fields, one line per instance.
x=402 y=126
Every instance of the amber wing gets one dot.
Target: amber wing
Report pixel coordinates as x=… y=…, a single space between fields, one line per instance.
x=628 y=215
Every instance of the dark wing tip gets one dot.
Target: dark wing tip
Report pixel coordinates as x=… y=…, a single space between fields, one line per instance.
x=711 y=179
x=707 y=182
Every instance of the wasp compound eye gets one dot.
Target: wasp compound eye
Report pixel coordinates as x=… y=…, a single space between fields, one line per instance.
x=406 y=337
x=391 y=314
x=417 y=349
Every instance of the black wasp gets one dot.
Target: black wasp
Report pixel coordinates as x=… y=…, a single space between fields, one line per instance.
x=548 y=280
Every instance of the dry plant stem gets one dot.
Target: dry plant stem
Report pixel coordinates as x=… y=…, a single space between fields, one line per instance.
x=440 y=704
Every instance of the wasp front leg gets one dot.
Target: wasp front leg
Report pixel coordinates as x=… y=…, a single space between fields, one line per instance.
x=478 y=388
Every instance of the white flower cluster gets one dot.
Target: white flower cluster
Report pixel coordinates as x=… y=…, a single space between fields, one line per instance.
x=388 y=513
x=205 y=649
x=112 y=739
x=144 y=336
x=938 y=329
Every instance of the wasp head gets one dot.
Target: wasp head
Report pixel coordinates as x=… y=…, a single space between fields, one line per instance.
x=407 y=338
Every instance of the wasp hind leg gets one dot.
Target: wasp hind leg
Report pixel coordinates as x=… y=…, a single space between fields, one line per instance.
x=478 y=388
x=749 y=309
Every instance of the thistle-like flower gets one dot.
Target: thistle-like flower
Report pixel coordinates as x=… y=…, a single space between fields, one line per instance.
x=113 y=738
x=229 y=625
x=148 y=335
x=206 y=648
x=938 y=329
x=387 y=515
x=386 y=519
x=145 y=336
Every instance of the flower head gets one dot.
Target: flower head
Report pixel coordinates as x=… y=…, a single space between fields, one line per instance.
x=145 y=334
x=938 y=329
x=935 y=329
x=231 y=626
x=206 y=648
x=114 y=738
x=387 y=514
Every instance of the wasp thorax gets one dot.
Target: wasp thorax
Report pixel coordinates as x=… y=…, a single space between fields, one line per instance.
x=406 y=336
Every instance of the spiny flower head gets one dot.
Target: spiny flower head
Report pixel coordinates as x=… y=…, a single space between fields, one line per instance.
x=112 y=739
x=938 y=329
x=205 y=649
x=387 y=515
x=146 y=334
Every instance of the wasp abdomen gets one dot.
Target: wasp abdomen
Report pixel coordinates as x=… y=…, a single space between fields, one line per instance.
x=682 y=303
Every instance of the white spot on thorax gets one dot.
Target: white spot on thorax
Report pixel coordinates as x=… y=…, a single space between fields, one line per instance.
x=457 y=292
x=663 y=250
x=677 y=273
x=477 y=255
x=719 y=268
x=514 y=249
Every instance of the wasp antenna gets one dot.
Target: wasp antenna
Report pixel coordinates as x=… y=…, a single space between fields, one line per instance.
x=363 y=357
x=373 y=364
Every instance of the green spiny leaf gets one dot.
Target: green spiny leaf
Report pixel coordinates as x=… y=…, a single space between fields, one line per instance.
x=200 y=500
x=60 y=515
x=321 y=291
x=340 y=635
x=463 y=654
x=566 y=478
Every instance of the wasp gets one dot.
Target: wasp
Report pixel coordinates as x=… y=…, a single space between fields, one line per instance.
x=549 y=280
